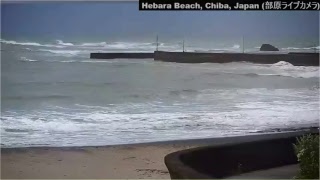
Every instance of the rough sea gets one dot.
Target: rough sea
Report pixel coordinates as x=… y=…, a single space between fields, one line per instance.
x=52 y=94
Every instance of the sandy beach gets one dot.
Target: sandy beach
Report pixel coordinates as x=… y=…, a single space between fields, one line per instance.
x=130 y=161
x=133 y=161
x=124 y=161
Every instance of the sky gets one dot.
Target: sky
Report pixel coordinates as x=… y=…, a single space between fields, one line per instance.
x=62 y=20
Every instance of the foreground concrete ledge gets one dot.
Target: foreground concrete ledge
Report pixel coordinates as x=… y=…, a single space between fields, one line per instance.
x=234 y=158
x=283 y=172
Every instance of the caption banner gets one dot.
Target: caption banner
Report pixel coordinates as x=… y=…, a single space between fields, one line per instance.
x=239 y=5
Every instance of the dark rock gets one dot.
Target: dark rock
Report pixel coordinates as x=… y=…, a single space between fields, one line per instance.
x=268 y=47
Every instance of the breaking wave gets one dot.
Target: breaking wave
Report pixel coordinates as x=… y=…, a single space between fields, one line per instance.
x=21 y=43
x=29 y=44
x=117 y=45
x=94 y=44
x=296 y=71
x=60 y=42
x=113 y=122
x=27 y=60
x=62 y=52
x=141 y=46
x=283 y=64
x=235 y=47
x=279 y=69
x=301 y=48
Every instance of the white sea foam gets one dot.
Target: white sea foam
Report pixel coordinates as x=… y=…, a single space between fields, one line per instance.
x=309 y=74
x=27 y=60
x=140 y=46
x=301 y=48
x=131 y=46
x=29 y=44
x=283 y=64
x=250 y=110
x=21 y=43
x=60 y=42
x=62 y=52
x=124 y=45
x=280 y=68
x=286 y=69
x=236 y=46
x=94 y=44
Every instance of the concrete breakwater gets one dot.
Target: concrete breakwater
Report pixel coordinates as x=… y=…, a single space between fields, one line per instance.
x=297 y=59
x=121 y=55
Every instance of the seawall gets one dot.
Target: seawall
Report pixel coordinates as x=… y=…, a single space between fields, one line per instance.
x=121 y=55
x=297 y=59
x=225 y=160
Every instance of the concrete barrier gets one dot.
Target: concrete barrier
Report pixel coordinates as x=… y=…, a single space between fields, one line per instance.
x=297 y=59
x=221 y=161
x=121 y=55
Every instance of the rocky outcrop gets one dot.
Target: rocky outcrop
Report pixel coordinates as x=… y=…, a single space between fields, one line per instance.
x=268 y=47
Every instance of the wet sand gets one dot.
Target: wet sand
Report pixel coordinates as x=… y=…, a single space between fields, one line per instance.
x=132 y=161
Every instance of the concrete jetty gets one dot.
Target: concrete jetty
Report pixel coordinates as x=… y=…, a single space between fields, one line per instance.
x=295 y=58
x=121 y=55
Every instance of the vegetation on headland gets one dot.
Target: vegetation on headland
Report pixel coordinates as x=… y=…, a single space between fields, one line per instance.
x=307 y=151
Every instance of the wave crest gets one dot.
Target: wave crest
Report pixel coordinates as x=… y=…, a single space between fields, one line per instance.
x=29 y=44
x=62 y=52
x=301 y=48
x=283 y=64
x=60 y=42
x=27 y=60
x=94 y=44
x=20 y=43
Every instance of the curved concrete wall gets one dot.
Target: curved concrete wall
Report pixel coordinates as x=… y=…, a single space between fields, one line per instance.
x=239 y=157
x=297 y=59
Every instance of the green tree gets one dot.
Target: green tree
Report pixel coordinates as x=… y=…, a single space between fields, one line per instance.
x=307 y=151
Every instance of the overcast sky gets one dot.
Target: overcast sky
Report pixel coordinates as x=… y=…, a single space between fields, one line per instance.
x=114 y=19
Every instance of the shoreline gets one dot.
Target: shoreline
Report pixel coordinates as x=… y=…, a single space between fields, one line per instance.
x=267 y=132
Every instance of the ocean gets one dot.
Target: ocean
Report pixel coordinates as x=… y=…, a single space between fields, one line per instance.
x=52 y=94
